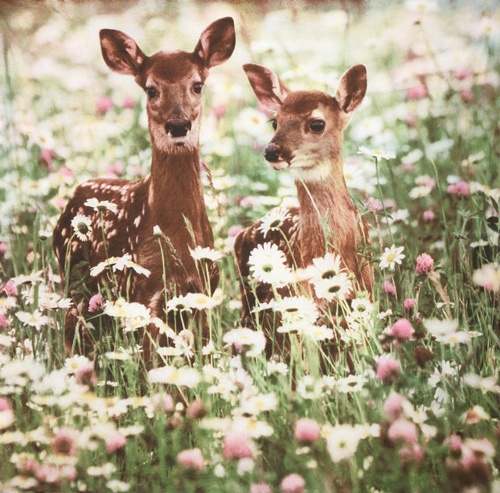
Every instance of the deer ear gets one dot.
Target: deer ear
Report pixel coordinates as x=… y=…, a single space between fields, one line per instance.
x=120 y=52
x=352 y=88
x=267 y=86
x=216 y=43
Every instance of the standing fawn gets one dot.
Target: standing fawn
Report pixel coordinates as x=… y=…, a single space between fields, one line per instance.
x=308 y=138
x=170 y=197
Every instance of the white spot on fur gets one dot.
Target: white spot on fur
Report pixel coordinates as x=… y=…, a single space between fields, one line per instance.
x=137 y=221
x=318 y=115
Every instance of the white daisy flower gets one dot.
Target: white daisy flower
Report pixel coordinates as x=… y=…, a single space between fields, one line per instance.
x=391 y=257
x=101 y=205
x=82 y=226
x=205 y=253
x=337 y=287
x=267 y=265
x=273 y=220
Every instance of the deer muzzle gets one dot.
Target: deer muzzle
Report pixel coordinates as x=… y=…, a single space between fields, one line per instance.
x=178 y=128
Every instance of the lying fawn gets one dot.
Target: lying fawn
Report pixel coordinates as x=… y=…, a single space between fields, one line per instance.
x=308 y=138
x=170 y=197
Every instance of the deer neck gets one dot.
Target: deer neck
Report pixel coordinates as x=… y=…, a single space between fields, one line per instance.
x=176 y=198
x=326 y=211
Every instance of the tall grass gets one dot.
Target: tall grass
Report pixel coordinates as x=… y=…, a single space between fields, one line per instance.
x=411 y=403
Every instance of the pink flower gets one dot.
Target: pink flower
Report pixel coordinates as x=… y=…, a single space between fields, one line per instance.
x=428 y=216
x=128 y=103
x=234 y=230
x=165 y=402
x=467 y=95
x=10 y=288
x=409 y=304
x=394 y=405
x=373 y=205
x=3 y=321
x=64 y=442
x=403 y=430
x=196 y=410
x=191 y=459
x=417 y=92
x=388 y=288
x=402 y=330
x=85 y=374
x=95 y=303
x=411 y=454
x=249 y=201
x=3 y=248
x=116 y=168
x=463 y=73
x=260 y=488
x=424 y=264
x=219 y=111
x=388 y=368
x=454 y=443
x=307 y=430
x=293 y=483
x=46 y=157
x=103 y=105
x=461 y=189
x=114 y=442
x=4 y=405
x=236 y=445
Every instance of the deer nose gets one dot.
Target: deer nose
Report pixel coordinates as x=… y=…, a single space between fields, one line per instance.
x=272 y=153
x=178 y=128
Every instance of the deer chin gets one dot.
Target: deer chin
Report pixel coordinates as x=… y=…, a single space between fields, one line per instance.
x=279 y=165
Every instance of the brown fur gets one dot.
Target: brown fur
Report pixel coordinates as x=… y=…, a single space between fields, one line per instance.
x=171 y=197
x=326 y=220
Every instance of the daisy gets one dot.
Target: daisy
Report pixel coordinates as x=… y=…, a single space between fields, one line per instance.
x=35 y=319
x=82 y=227
x=134 y=315
x=178 y=303
x=200 y=301
x=184 y=376
x=205 y=253
x=267 y=265
x=317 y=332
x=342 y=441
x=296 y=312
x=74 y=363
x=273 y=220
x=376 y=153
x=246 y=340
x=101 y=205
x=256 y=404
x=325 y=267
x=488 y=277
x=446 y=331
x=391 y=257
x=337 y=287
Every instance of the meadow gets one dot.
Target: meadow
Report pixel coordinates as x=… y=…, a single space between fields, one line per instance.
x=411 y=403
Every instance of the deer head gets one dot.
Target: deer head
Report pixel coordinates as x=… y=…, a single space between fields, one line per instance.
x=308 y=124
x=173 y=81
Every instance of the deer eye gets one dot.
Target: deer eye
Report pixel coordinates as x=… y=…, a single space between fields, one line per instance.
x=197 y=87
x=274 y=123
x=152 y=92
x=317 y=125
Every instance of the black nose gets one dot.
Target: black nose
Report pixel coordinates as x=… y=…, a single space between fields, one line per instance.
x=272 y=153
x=178 y=128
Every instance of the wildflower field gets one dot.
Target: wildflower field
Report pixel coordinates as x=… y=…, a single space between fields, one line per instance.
x=411 y=402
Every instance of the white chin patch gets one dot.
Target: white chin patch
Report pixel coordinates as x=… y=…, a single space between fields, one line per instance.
x=280 y=165
x=312 y=173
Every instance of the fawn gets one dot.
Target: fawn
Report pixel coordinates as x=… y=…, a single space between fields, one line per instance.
x=170 y=197
x=308 y=138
